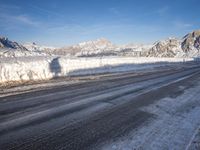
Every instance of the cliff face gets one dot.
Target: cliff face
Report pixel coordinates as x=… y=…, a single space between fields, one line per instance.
x=188 y=46
x=5 y=43
x=166 y=48
x=191 y=41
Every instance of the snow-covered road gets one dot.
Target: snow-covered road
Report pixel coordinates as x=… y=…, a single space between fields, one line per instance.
x=151 y=110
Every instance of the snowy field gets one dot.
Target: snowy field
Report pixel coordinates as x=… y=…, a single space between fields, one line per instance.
x=43 y=67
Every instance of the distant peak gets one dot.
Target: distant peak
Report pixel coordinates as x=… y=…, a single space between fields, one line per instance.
x=98 y=40
x=3 y=38
x=103 y=39
x=193 y=34
x=196 y=33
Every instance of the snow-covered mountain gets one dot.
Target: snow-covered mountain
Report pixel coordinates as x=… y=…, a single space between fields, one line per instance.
x=191 y=43
x=170 y=47
x=90 y=48
x=37 y=48
x=133 y=49
x=5 y=43
x=13 y=49
x=99 y=44
x=102 y=47
x=188 y=46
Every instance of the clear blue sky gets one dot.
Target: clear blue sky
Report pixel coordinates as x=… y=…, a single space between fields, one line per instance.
x=65 y=22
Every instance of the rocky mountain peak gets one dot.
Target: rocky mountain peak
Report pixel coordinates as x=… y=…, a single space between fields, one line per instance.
x=103 y=41
x=5 y=43
x=96 y=44
x=191 y=41
x=165 y=48
x=196 y=33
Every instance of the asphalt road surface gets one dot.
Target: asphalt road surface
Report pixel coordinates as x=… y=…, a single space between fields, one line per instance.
x=90 y=114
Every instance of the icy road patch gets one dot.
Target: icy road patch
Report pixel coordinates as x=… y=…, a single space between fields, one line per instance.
x=177 y=121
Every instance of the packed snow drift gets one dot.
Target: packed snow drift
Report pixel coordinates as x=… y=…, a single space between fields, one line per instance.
x=43 y=67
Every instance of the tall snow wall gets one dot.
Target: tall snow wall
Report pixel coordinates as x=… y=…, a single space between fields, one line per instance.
x=43 y=68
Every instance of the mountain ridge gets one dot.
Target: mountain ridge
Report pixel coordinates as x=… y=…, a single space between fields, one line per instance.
x=188 y=46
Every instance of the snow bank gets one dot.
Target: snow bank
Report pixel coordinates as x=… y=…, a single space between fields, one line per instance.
x=43 y=67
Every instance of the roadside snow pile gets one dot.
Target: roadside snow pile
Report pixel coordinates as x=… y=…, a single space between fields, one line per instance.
x=44 y=67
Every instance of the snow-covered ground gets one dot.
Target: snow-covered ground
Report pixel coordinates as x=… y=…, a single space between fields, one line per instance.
x=46 y=67
x=174 y=127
